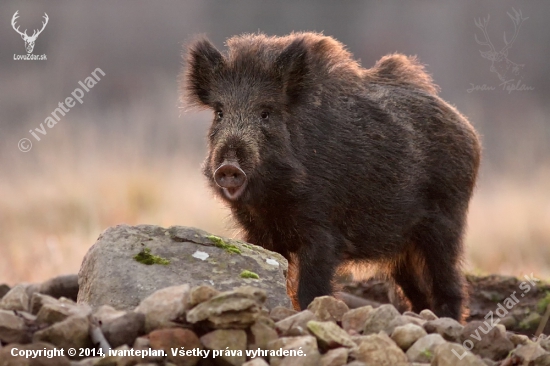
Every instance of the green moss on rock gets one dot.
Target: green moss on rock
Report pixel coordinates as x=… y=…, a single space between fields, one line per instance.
x=147 y=258
x=249 y=274
x=220 y=243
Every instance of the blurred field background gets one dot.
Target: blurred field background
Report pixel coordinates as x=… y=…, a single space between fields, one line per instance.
x=129 y=154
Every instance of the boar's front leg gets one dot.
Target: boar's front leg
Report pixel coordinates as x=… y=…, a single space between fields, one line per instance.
x=317 y=260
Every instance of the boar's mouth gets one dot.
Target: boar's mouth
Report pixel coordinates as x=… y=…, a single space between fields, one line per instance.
x=231 y=178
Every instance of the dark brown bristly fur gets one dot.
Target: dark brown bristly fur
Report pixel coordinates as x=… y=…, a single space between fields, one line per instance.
x=343 y=164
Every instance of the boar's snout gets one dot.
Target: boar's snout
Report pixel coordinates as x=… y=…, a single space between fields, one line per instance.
x=231 y=178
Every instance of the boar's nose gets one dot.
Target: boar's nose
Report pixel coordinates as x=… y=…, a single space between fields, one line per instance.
x=230 y=175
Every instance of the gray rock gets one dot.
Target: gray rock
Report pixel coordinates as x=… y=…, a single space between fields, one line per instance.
x=405 y=335
x=379 y=319
x=111 y=275
x=423 y=349
x=529 y=353
x=201 y=294
x=227 y=340
x=16 y=299
x=256 y=362
x=453 y=354
x=4 y=289
x=176 y=338
x=354 y=320
x=58 y=310
x=402 y=320
x=61 y=286
x=72 y=332
x=124 y=329
x=328 y=308
x=231 y=309
x=163 y=307
x=448 y=328
x=493 y=345
x=517 y=339
x=379 y=350
x=279 y=313
x=329 y=335
x=261 y=333
x=428 y=314
x=306 y=344
x=335 y=357
x=295 y=325
x=13 y=328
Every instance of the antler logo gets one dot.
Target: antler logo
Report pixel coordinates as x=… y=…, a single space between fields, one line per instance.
x=29 y=40
x=500 y=64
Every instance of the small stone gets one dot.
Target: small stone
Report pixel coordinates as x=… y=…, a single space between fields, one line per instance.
x=13 y=328
x=493 y=345
x=453 y=354
x=543 y=360
x=379 y=319
x=428 y=315
x=163 y=307
x=4 y=289
x=38 y=300
x=295 y=325
x=256 y=362
x=200 y=294
x=16 y=299
x=335 y=357
x=7 y=359
x=355 y=319
x=396 y=322
x=230 y=309
x=448 y=328
x=329 y=335
x=168 y=339
x=529 y=353
x=72 y=332
x=306 y=344
x=279 y=313
x=518 y=339
x=227 y=340
x=124 y=329
x=107 y=313
x=261 y=333
x=55 y=311
x=61 y=286
x=531 y=321
x=328 y=308
x=423 y=349
x=379 y=350
x=405 y=335
x=510 y=322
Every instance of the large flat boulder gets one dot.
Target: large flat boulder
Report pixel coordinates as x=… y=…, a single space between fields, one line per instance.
x=128 y=263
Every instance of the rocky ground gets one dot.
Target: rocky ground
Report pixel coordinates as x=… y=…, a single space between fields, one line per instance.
x=217 y=324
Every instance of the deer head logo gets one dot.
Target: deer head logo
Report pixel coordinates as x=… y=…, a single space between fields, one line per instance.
x=29 y=40
x=500 y=64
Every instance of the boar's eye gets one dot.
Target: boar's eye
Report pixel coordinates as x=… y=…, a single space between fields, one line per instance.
x=264 y=115
x=219 y=115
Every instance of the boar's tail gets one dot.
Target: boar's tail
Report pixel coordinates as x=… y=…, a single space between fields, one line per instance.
x=404 y=70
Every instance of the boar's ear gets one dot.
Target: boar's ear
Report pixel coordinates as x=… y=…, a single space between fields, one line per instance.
x=203 y=62
x=293 y=69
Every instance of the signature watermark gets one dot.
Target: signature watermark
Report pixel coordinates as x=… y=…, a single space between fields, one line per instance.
x=25 y=144
x=503 y=308
x=507 y=71
x=29 y=40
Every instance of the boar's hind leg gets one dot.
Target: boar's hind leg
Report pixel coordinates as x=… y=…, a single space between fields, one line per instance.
x=317 y=261
x=439 y=240
x=405 y=276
